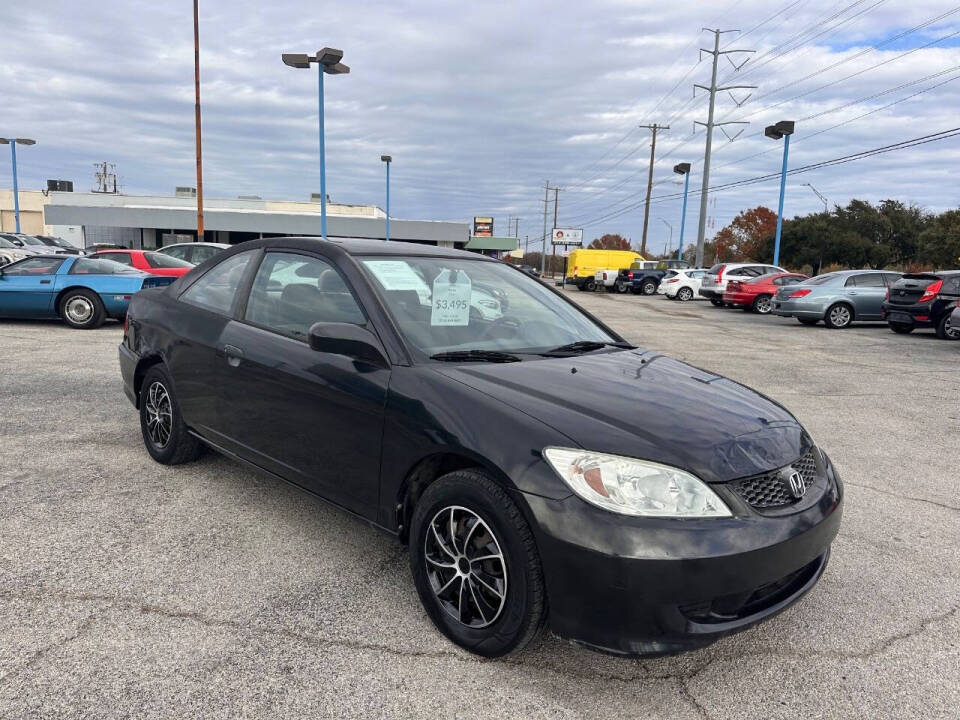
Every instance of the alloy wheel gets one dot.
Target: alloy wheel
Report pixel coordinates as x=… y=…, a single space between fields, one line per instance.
x=465 y=566
x=684 y=294
x=159 y=415
x=840 y=316
x=763 y=305
x=79 y=309
x=953 y=333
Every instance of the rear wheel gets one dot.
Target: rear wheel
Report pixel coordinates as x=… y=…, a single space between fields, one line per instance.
x=590 y=285
x=164 y=433
x=901 y=328
x=807 y=321
x=684 y=294
x=475 y=565
x=82 y=309
x=946 y=331
x=838 y=316
x=649 y=287
x=762 y=304
x=716 y=302
x=620 y=286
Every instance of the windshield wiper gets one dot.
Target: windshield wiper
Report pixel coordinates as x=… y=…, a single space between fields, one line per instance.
x=585 y=346
x=477 y=355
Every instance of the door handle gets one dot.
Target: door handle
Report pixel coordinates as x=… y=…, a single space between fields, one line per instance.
x=44 y=282
x=233 y=354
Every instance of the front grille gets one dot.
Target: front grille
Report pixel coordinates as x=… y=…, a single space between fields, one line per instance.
x=772 y=490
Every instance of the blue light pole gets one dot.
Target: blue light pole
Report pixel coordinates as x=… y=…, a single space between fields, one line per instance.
x=328 y=62
x=12 y=142
x=782 y=130
x=683 y=169
x=387 y=159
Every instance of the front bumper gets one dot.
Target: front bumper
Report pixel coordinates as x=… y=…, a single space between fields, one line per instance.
x=128 y=369
x=651 y=586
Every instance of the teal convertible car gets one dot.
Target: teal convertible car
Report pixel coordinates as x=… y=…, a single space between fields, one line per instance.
x=81 y=291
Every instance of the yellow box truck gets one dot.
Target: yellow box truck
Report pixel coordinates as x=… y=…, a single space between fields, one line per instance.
x=583 y=263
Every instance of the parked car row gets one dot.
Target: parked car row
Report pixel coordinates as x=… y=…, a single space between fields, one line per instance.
x=47 y=281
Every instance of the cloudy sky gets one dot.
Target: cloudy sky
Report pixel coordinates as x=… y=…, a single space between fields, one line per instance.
x=481 y=103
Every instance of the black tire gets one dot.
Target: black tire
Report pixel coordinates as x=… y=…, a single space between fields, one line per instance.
x=82 y=309
x=684 y=294
x=945 y=331
x=174 y=445
x=649 y=287
x=838 y=316
x=590 y=285
x=579 y=286
x=621 y=286
x=807 y=321
x=901 y=328
x=762 y=304
x=715 y=302
x=521 y=609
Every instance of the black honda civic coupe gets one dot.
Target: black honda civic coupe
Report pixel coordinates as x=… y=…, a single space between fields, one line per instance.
x=543 y=472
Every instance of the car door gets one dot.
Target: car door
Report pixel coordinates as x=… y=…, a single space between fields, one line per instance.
x=199 y=318
x=866 y=292
x=27 y=288
x=313 y=418
x=695 y=280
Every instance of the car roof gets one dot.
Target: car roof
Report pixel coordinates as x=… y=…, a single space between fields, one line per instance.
x=202 y=243
x=358 y=246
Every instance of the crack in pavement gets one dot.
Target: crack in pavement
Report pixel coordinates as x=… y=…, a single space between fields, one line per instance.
x=902 y=497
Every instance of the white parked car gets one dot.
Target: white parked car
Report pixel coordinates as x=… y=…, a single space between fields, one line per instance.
x=715 y=281
x=682 y=285
x=193 y=252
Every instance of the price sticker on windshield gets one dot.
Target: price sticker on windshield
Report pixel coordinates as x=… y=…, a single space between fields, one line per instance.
x=451 y=299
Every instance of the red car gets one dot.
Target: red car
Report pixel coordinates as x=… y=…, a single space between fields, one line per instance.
x=756 y=294
x=148 y=261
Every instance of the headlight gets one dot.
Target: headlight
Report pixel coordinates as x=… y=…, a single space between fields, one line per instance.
x=634 y=487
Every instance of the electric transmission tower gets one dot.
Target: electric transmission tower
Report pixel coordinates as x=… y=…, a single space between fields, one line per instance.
x=710 y=124
x=105 y=177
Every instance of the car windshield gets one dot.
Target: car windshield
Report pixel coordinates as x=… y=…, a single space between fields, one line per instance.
x=100 y=266
x=31 y=240
x=452 y=304
x=4 y=243
x=60 y=242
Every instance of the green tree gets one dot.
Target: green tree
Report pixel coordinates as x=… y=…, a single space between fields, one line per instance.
x=939 y=243
x=610 y=242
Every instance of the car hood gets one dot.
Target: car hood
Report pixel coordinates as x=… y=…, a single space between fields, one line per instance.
x=644 y=405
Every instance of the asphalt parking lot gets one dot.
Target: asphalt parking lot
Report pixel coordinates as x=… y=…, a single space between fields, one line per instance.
x=130 y=589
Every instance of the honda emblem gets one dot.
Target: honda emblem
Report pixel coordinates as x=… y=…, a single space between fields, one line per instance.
x=796 y=484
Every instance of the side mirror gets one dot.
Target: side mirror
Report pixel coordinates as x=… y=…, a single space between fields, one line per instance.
x=347 y=339
x=17 y=241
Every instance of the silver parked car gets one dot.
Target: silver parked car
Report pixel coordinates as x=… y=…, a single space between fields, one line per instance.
x=194 y=252
x=838 y=298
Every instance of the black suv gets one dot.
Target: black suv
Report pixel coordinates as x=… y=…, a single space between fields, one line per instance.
x=924 y=300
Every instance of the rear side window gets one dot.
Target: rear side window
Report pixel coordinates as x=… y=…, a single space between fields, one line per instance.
x=159 y=260
x=292 y=292
x=951 y=286
x=217 y=289
x=100 y=266
x=177 y=252
x=34 y=266
x=202 y=253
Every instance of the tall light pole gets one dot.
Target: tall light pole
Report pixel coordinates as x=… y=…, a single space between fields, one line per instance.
x=196 y=87
x=328 y=62
x=387 y=160
x=12 y=142
x=683 y=169
x=782 y=130
x=671 y=235
x=826 y=205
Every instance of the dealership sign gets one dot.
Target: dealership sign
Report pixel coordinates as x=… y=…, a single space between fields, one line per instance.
x=568 y=236
x=483 y=227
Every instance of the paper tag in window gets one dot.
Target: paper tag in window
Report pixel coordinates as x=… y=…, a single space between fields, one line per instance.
x=396 y=275
x=451 y=299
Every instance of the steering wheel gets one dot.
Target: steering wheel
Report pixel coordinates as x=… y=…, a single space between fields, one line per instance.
x=504 y=322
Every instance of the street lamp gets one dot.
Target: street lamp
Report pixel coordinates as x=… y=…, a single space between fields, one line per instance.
x=386 y=159
x=671 y=234
x=782 y=130
x=12 y=142
x=683 y=169
x=328 y=62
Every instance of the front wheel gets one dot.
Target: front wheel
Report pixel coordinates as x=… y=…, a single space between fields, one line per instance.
x=475 y=565
x=82 y=309
x=164 y=433
x=946 y=331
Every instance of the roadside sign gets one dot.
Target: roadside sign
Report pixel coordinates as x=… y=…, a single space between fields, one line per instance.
x=483 y=227
x=567 y=236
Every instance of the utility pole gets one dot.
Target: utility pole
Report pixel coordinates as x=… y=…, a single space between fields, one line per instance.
x=556 y=197
x=196 y=86
x=543 y=254
x=823 y=199
x=710 y=125
x=646 y=204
